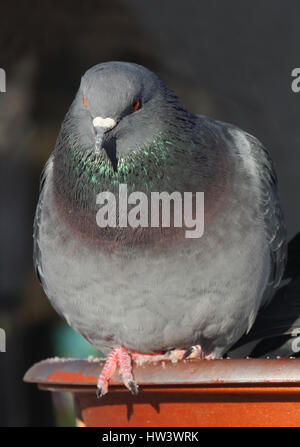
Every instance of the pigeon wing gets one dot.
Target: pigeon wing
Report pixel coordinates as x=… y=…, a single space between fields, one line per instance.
x=272 y=213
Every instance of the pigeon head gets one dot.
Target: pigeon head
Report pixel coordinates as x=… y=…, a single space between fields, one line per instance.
x=125 y=126
x=121 y=107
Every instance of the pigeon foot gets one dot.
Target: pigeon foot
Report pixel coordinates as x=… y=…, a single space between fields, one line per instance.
x=181 y=354
x=193 y=352
x=174 y=355
x=121 y=356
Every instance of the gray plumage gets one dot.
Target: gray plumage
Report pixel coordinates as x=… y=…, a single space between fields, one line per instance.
x=152 y=290
x=276 y=328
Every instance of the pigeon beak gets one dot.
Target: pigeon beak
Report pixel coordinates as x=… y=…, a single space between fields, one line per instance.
x=101 y=125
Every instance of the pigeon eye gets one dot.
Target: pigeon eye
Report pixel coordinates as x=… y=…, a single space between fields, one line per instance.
x=135 y=105
x=84 y=102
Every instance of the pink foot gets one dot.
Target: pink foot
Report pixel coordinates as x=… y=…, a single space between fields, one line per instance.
x=174 y=355
x=126 y=370
x=209 y=357
x=121 y=356
x=196 y=352
x=107 y=371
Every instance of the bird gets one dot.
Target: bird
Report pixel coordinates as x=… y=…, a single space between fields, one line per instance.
x=139 y=291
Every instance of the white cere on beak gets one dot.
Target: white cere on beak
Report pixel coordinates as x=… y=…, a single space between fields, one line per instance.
x=108 y=123
x=101 y=125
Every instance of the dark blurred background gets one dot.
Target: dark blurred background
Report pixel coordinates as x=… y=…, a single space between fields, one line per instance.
x=230 y=60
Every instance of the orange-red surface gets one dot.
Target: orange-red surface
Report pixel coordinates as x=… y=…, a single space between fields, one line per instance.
x=197 y=393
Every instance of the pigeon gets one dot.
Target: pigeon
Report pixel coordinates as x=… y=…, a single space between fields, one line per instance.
x=142 y=290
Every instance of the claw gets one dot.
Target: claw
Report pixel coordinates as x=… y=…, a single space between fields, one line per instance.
x=188 y=352
x=99 y=393
x=121 y=356
x=133 y=387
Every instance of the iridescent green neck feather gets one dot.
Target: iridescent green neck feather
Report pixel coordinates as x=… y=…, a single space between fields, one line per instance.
x=80 y=175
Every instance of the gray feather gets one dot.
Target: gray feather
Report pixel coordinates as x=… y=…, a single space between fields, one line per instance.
x=152 y=290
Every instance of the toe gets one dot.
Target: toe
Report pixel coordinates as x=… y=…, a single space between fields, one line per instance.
x=193 y=352
x=132 y=386
x=107 y=371
x=175 y=354
x=99 y=393
x=126 y=370
x=187 y=353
